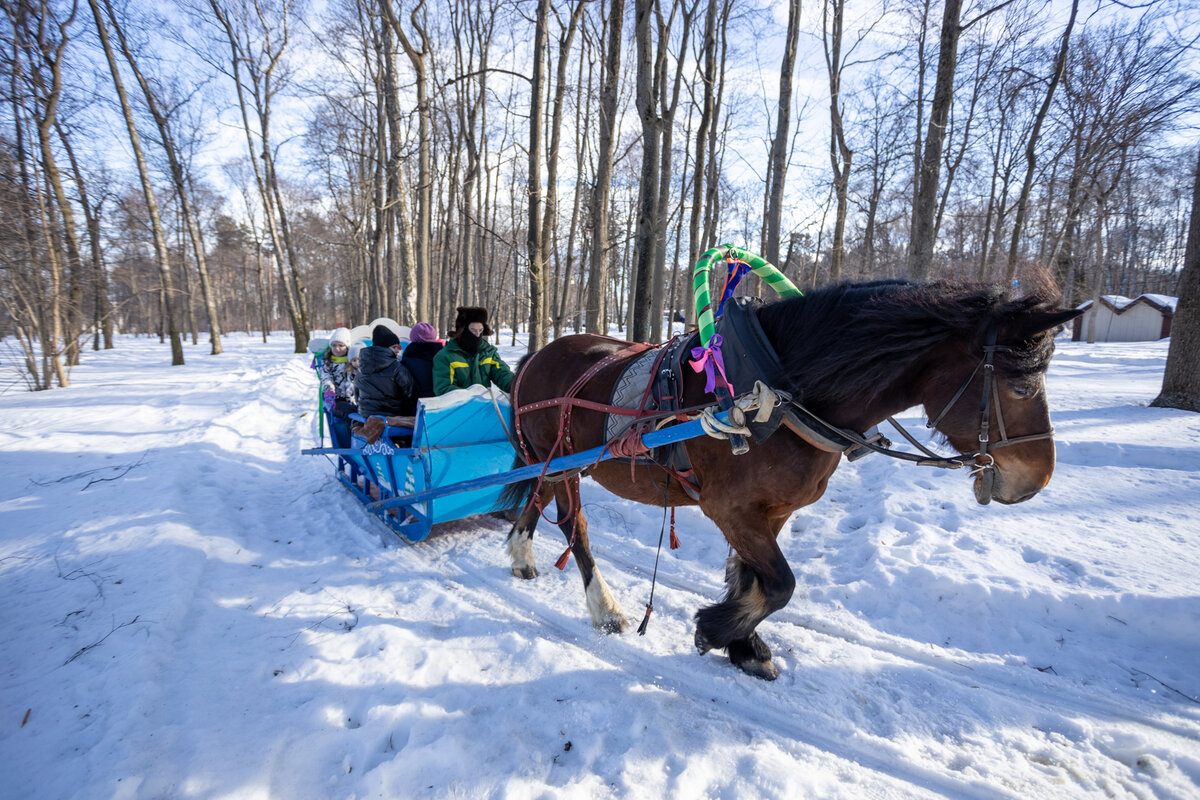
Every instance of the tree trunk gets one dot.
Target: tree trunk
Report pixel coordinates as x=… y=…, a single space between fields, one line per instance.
x=1060 y=64
x=1181 y=379
x=597 y=295
x=918 y=132
x=179 y=181
x=102 y=314
x=51 y=55
x=549 y=219
x=920 y=256
x=840 y=154
x=538 y=306
x=648 y=188
x=663 y=213
x=779 y=144
x=707 y=76
x=264 y=174
x=422 y=240
x=160 y=242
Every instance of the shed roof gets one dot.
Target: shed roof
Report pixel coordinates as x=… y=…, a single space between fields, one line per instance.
x=1120 y=304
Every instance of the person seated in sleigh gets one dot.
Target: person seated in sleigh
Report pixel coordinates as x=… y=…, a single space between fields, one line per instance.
x=386 y=389
x=468 y=358
x=337 y=385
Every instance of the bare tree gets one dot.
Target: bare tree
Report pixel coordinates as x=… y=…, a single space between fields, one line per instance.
x=538 y=303
x=422 y=240
x=257 y=69
x=778 y=165
x=648 y=181
x=102 y=313
x=45 y=36
x=1031 y=144
x=668 y=103
x=920 y=254
x=31 y=291
x=704 y=127
x=549 y=221
x=178 y=181
x=840 y=154
x=597 y=311
x=160 y=242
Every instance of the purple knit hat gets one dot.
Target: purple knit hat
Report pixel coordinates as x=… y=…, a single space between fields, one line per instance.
x=423 y=332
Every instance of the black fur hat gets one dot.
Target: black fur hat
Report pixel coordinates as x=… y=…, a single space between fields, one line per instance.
x=467 y=315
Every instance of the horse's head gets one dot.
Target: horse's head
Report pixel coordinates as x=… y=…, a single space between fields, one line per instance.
x=988 y=398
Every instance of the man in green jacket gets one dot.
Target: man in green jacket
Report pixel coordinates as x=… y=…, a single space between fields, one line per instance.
x=468 y=358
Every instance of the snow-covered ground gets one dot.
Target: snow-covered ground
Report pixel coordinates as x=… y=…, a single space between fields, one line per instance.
x=193 y=609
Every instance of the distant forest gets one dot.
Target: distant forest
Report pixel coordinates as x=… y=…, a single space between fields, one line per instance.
x=276 y=165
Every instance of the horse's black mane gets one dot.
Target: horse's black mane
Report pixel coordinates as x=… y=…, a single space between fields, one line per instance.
x=883 y=328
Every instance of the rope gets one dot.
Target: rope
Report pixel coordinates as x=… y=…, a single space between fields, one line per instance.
x=674 y=546
x=763 y=401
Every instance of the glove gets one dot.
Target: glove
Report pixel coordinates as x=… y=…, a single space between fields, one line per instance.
x=328 y=396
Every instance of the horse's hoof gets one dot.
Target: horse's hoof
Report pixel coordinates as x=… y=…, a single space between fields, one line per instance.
x=526 y=573
x=760 y=669
x=613 y=625
x=702 y=643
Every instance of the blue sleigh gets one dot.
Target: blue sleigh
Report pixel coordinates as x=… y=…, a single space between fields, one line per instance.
x=455 y=439
x=454 y=461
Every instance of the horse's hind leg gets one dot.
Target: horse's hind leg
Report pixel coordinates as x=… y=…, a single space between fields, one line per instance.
x=752 y=594
x=606 y=614
x=519 y=543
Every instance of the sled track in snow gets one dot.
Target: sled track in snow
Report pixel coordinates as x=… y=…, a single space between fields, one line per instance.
x=1064 y=700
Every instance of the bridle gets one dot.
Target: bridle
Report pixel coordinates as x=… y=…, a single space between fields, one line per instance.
x=986 y=470
x=831 y=438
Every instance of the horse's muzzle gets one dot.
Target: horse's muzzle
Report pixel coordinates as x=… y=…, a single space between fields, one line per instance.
x=991 y=484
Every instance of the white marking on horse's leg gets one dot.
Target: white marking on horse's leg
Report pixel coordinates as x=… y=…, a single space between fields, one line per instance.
x=607 y=616
x=520 y=550
x=747 y=596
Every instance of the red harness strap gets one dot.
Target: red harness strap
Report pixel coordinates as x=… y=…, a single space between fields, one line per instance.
x=627 y=445
x=569 y=400
x=563 y=441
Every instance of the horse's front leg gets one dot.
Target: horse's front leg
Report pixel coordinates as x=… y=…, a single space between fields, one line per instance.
x=606 y=614
x=754 y=591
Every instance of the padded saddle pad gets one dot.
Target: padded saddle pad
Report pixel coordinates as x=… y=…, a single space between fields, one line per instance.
x=628 y=391
x=631 y=387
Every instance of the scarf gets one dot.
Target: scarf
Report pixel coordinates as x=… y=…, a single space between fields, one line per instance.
x=469 y=342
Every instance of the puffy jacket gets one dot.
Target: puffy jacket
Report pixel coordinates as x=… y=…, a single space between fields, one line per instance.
x=418 y=358
x=454 y=368
x=335 y=377
x=385 y=386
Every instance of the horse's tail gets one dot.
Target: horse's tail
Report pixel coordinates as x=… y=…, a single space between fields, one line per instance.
x=517 y=494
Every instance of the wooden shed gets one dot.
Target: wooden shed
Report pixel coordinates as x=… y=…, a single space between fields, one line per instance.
x=1144 y=318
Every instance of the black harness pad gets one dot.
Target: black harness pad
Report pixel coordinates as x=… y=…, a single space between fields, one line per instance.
x=748 y=357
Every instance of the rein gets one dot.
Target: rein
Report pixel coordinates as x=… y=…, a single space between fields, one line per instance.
x=829 y=437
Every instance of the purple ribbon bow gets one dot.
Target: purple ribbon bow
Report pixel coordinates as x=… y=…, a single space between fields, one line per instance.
x=710 y=361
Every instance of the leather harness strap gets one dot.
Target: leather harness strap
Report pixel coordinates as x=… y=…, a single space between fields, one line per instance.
x=569 y=399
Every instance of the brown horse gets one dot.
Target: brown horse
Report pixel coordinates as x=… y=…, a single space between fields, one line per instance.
x=853 y=354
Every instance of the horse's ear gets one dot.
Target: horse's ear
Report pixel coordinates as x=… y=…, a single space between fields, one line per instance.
x=1030 y=325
